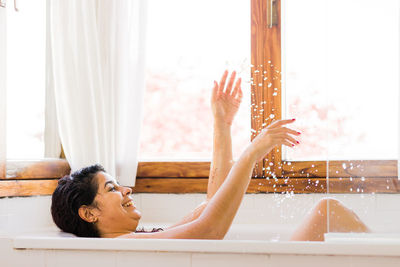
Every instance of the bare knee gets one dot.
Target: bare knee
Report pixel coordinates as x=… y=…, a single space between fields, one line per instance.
x=326 y=203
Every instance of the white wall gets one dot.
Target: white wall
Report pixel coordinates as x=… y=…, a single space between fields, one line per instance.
x=381 y=212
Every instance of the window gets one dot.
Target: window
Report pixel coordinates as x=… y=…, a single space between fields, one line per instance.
x=324 y=53
x=340 y=81
x=185 y=52
x=25 y=65
x=294 y=72
x=26 y=56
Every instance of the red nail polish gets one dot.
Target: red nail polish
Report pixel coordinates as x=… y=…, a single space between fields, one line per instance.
x=293 y=119
x=299 y=132
x=292 y=145
x=298 y=142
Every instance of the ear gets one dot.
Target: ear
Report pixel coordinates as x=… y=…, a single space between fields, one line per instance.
x=87 y=214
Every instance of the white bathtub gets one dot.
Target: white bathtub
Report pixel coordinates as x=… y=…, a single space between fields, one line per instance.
x=258 y=237
x=245 y=245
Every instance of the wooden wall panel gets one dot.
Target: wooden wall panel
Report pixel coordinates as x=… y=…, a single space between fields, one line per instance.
x=340 y=168
x=295 y=185
x=199 y=185
x=258 y=11
x=20 y=188
x=39 y=169
x=272 y=106
x=173 y=169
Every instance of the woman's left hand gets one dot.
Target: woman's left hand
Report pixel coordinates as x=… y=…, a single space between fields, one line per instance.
x=226 y=103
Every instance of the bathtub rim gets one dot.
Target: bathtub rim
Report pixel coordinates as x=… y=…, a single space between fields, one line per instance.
x=208 y=246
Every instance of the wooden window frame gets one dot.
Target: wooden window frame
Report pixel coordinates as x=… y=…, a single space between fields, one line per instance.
x=26 y=178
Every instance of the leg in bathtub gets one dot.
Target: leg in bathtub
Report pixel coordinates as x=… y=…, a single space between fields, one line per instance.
x=341 y=219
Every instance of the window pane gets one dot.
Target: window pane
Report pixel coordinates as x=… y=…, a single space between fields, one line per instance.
x=341 y=69
x=189 y=45
x=25 y=79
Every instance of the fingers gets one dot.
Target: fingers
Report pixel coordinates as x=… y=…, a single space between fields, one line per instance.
x=240 y=94
x=230 y=83
x=287 y=143
x=234 y=91
x=289 y=138
x=284 y=130
x=222 y=81
x=237 y=87
x=215 y=90
x=280 y=123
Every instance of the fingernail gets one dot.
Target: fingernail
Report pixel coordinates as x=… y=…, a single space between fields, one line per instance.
x=293 y=119
x=298 y=142
x=292 y=145
x=299 y=132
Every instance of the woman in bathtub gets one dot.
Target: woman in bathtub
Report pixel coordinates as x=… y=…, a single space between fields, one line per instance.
x=90 y=203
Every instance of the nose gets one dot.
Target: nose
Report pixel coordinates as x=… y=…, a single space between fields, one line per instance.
x=126 y=190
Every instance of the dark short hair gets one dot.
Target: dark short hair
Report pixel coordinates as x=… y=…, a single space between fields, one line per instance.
x=73 y=191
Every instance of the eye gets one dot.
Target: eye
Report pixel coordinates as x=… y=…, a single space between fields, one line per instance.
x=111 y=189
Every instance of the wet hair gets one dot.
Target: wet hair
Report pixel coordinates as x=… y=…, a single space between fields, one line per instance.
x=73 y=191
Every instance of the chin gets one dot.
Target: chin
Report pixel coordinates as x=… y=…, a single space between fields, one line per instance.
x=138 y=214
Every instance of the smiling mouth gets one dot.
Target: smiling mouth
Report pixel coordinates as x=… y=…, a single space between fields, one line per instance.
x=128 y=204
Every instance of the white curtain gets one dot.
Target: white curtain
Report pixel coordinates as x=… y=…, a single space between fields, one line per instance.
x=3 y=96
x=98 y=74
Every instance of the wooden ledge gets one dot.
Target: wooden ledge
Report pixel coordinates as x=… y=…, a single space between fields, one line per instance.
x=29 y=178
x=12 y=188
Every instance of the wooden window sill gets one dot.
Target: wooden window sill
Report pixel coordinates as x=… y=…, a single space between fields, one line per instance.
x=29 y=178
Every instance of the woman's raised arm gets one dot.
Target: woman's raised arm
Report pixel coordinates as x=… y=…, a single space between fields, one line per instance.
x=225 y=102
x=215 y=220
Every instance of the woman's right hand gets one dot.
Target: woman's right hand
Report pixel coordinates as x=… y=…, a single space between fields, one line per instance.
x=273 y=135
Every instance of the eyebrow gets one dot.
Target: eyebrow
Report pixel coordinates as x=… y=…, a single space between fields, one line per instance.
x=108 y=182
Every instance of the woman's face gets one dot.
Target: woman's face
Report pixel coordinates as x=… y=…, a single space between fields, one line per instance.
x=116 y=212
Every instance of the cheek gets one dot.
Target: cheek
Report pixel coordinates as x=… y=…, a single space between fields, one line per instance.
x=110 y=209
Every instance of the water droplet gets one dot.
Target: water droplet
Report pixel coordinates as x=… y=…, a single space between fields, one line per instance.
x=312 y=166
x=271 y=164
x=344 y=166
x=275 y=94
x=260 y=84
x=289 y=163
x=269 y=85
x=351 y=189
x=272 y=116
x=363 y=178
